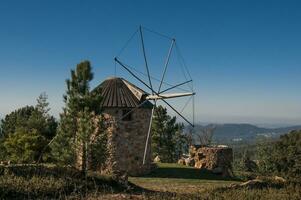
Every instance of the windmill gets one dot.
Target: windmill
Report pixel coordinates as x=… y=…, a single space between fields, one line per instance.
x=157 y=94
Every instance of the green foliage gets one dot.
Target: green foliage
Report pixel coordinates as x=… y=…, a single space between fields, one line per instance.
x=92 y=139
x=3 y=153
x=282 y=157
x=78 y=96
x=62 y=147
x=77 y=126
x=17 y=118
x=168 y=140
x=23 y=146
x=26 y=132
x=40 y=119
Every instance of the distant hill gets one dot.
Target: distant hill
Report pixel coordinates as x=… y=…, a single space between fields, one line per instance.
x=245 y=132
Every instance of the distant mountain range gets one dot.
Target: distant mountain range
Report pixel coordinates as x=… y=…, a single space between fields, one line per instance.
x=244 y=132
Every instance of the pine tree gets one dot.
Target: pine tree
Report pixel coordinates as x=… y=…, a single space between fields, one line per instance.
x=82 y=108
x=168 y=140
x=17 y=118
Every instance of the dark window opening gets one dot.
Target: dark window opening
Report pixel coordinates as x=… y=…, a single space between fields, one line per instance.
x=126 y=116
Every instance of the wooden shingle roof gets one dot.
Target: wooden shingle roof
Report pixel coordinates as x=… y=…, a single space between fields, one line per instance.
x=118 y=92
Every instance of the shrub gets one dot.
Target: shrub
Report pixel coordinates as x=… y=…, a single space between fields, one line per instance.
x=282 y=157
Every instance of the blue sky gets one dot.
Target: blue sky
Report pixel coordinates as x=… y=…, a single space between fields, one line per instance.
x=243 y=55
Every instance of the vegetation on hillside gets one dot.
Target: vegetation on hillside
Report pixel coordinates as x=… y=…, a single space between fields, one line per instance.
x=282 y=157
x=30 y=135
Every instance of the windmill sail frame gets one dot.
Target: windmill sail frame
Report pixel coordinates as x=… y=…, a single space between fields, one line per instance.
x=157 y=95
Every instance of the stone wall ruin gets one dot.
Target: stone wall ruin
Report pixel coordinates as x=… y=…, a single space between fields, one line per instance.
x=126 y=142
x=217 y=159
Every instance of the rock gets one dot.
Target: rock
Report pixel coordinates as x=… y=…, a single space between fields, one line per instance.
x=255 y=183
x=189 y=162
x=157 y=159
x=251 y=184
x=279 y=179
x=272 y=179
x=260 y=182
x=222 y=146
x=181 y=161
x=192 y=151
x=5 y=162
x=233 y=185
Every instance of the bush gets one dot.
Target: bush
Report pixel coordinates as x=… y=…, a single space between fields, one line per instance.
x=282 y=157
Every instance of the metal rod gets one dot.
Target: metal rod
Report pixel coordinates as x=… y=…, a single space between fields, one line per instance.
x=126 y=44
x=157 y=33
x=178 y=113
x=174 y=86
x=193 y=112
x=193 y=105
x=148 y=134
x=166 y=63
x=127 y=69
x=186 y=104
x=144 y=55
x=154 y=78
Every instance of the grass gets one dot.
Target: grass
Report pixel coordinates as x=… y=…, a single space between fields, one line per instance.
x=173 y=181
x=173 y=170
x=50 y=182
x=181 y=179
x=168 y=181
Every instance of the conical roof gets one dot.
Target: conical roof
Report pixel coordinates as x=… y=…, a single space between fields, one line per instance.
x=118 y=92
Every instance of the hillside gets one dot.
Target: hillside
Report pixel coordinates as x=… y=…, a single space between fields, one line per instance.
x=167 y=181
x=245 y=132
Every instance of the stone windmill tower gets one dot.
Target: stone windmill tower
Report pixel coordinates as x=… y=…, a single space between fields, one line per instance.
x=127 y=131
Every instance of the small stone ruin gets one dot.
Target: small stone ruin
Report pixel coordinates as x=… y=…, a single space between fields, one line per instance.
x=217 y=159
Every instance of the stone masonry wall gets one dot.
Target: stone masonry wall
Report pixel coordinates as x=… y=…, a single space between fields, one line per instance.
x=217 y=159
x=126 y=142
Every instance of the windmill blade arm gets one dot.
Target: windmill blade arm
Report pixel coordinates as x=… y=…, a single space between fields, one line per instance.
x=178 y=113
x=169 y=96
x=166 y=63
x=175 y=86
x=128 y=70
x=144 y=55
